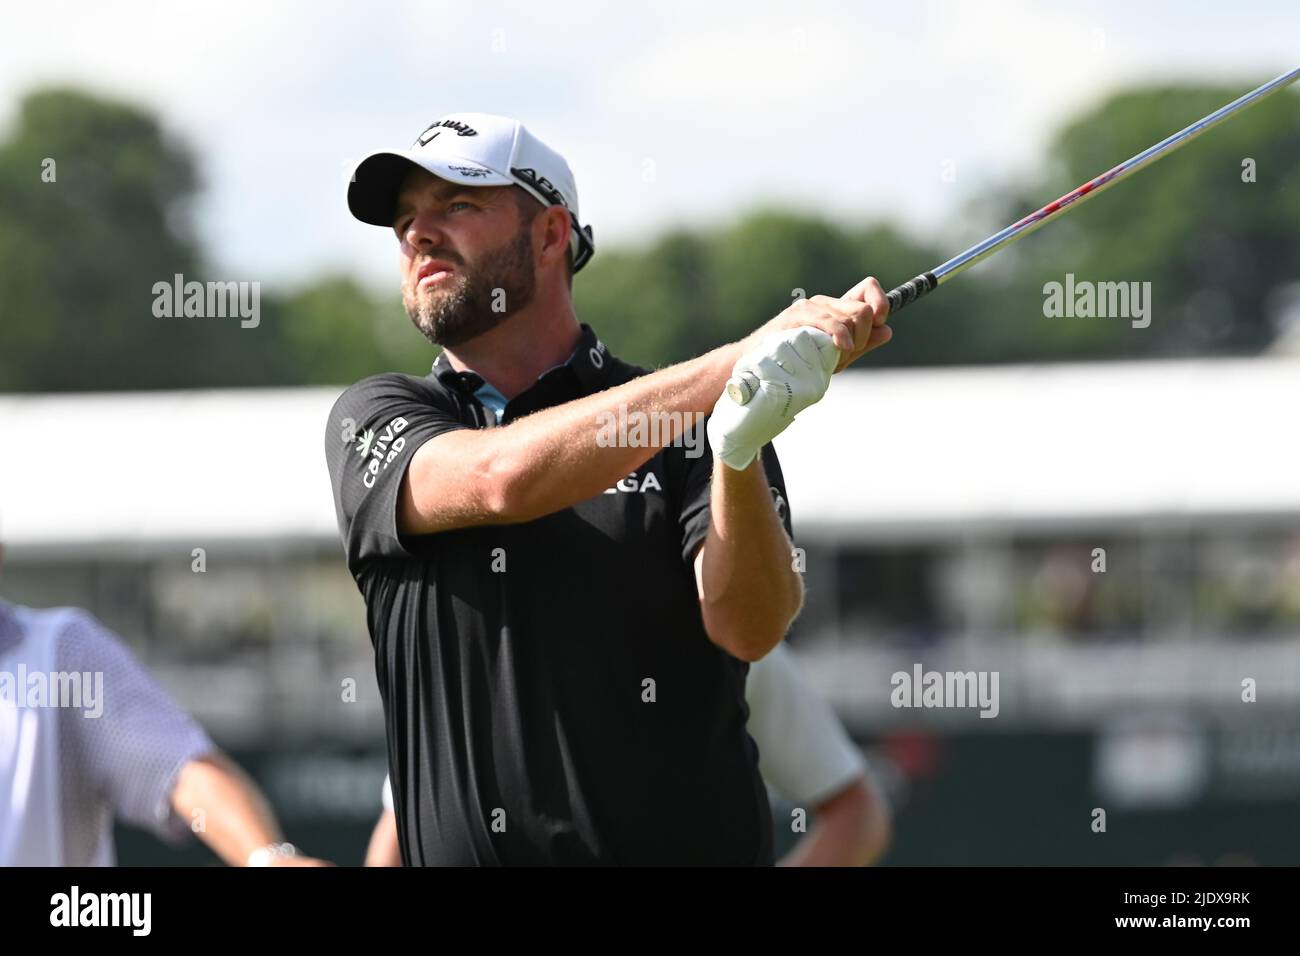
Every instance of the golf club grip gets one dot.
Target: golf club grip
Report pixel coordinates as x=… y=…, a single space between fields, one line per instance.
x=910 y=291
x=741 y=388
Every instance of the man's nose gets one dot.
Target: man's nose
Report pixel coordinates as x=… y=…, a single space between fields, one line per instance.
x=425 y=231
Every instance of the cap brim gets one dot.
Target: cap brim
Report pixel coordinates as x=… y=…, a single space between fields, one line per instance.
x=372 y=192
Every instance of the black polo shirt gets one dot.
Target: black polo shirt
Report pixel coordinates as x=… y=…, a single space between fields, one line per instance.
x=514 y=660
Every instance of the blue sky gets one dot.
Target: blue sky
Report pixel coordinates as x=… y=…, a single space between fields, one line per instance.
x=669 y=113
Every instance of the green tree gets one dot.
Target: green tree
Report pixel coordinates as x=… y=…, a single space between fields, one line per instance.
x=336 y=332
x=81 y=253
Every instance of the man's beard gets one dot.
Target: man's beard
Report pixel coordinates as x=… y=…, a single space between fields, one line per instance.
x=477 y=300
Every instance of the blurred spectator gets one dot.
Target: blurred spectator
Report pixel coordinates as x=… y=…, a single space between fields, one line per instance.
x=86 y=735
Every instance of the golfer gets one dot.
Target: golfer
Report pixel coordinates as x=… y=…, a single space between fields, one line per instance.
x=562 y=610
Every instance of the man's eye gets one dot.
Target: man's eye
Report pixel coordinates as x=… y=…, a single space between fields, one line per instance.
x=452 y=206
x=401 y=230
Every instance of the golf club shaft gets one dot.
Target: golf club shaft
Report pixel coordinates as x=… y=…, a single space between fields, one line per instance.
x=909 y=292
x=741 y=389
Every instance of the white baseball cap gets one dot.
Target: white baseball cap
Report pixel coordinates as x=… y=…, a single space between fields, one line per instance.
x=476 y=149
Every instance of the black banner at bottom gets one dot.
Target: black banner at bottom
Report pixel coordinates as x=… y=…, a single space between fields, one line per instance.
x=333 y=905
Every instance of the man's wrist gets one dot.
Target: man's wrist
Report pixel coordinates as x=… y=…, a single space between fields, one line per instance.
x=737 y=460
x=733 y=474
x=722 y=361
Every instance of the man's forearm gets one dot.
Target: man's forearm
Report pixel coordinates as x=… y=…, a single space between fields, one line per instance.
x=236 y=819
x=383 y=849
x=851 y=828
x=557 y=458
x=553 y=459
x=749 y=590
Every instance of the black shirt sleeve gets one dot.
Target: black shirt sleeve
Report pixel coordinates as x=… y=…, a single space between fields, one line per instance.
x=373 y=431
x=695 y=500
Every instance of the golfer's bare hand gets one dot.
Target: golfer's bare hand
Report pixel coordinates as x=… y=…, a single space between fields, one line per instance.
x=872 y=296
x=855 y=322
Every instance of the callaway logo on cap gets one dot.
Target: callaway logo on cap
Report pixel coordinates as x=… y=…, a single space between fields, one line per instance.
x=476 y=149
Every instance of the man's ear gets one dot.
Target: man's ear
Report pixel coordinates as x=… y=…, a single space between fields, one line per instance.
x=554 y=243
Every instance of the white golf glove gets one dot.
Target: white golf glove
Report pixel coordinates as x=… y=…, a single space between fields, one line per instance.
x=793 y=369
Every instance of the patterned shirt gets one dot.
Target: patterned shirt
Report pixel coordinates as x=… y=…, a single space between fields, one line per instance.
x=123 y=763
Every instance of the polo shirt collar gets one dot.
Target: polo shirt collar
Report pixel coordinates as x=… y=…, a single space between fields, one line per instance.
x=589 y=365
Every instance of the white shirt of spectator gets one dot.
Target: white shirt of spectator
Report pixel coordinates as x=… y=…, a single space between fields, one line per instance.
x=804 y=752
x=30 y=831
x=64 y=776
